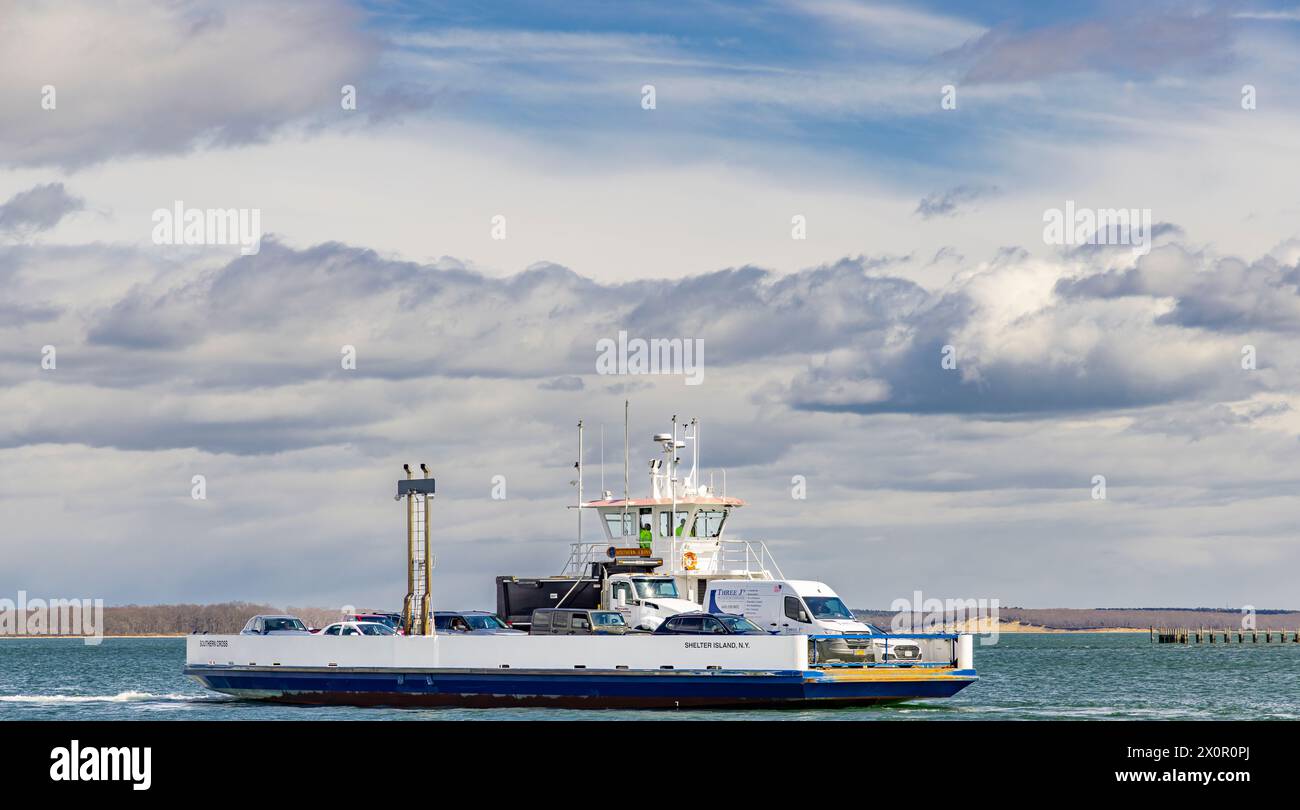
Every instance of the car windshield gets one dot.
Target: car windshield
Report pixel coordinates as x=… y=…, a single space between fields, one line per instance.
x=656 y=588
x=371 y=629
x=827 y=607
x=273 y=625
x=607 y=619
x=739 y=624
x=479 y=621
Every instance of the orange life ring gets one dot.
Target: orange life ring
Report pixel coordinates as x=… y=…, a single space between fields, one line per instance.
x=689 y=561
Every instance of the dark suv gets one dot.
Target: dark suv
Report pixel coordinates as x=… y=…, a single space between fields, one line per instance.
x=577 y=622
x=473 y=622
x=710 y=624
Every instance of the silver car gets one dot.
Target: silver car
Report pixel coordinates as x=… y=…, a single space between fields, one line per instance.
x=275 y=626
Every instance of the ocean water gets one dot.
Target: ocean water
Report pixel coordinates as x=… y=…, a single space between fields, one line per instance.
x=1094 y=676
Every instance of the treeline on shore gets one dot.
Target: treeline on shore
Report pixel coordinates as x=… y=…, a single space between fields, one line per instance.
x=226 y=617
x=1110 y=618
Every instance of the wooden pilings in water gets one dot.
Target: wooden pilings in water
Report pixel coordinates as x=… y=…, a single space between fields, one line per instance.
x=1178 y=635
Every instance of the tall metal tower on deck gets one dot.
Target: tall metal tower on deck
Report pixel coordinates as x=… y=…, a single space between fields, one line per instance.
x=417 y=618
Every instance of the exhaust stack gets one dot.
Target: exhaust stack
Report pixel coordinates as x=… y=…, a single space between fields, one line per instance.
x=417 y=617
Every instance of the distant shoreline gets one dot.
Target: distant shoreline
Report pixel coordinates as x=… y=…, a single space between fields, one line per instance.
x=180 y=620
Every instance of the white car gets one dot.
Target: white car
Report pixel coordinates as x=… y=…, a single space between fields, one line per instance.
x=357 y=629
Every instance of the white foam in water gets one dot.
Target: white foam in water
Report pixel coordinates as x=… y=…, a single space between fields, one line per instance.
x=120 y=697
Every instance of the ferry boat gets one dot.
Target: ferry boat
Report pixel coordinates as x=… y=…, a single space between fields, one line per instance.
x=661 y=556
x=658 y=553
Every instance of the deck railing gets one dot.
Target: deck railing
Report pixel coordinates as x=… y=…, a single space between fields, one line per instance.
x=732 y=557
x=581 y=555
x=713 y=557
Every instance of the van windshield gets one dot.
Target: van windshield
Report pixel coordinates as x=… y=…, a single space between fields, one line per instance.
x=827 y=607
x=656 y=588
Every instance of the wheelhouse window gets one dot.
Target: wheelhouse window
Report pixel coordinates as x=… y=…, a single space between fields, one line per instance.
x=670 y=526
x=708 y=523
x=620 y=525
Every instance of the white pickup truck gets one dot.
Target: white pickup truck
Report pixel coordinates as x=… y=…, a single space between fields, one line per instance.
x=645 y=600
x=642 y=597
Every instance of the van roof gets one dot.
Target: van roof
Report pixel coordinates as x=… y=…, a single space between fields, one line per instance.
x=801 y=587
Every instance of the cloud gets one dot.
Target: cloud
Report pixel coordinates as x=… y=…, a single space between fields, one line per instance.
x=569 y=382
x=171 y=366
x=1142 y=44
x=1030 y=337
x=147 y=78
x=945 y=204
x=892 y=27
x=1216 y=294
x=37 y=209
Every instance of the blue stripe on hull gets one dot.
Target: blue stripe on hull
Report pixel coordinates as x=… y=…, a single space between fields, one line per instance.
x=592 y=690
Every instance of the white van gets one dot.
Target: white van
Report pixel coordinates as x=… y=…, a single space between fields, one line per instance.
x=791 y=607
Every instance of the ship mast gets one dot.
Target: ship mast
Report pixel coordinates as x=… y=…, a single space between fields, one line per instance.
x=579 y=466
x=625 y=472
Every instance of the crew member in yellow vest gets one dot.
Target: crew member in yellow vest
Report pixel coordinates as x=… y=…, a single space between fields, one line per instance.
x=681 y=527
x=646 y=537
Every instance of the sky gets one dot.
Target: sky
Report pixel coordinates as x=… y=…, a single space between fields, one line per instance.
x=843 y=200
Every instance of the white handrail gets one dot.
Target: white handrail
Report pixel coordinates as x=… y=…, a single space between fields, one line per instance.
x=745 y=557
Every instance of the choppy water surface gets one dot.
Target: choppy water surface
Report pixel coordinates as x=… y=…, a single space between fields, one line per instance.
x=1023 y=676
